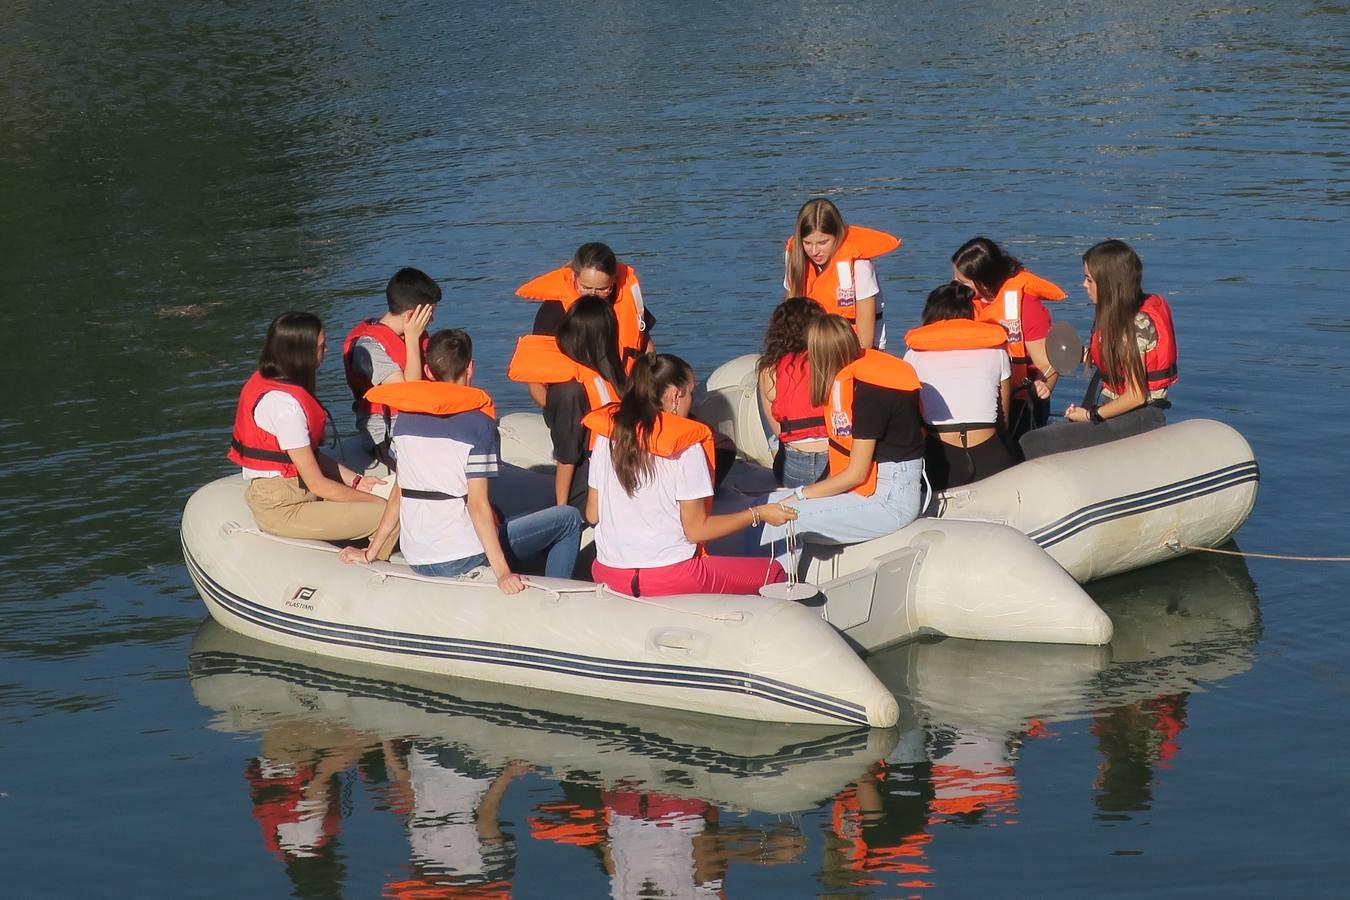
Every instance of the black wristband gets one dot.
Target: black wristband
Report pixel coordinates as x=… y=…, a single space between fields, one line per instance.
x=1094 y=414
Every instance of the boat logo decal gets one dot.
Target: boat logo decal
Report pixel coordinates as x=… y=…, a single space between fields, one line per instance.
x=302 y=597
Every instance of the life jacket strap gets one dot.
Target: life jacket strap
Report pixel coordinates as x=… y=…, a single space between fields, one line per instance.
x=416 y=494
x=795 y=424
x=259 y=453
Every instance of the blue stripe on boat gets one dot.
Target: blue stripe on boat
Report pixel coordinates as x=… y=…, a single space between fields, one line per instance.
x=1143 y=501
x=662 y=674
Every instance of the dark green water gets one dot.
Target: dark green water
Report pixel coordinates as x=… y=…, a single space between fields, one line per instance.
x=174 y=177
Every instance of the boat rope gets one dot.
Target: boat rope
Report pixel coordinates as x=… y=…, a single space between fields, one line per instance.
x=1177 y=545
x=555 y=592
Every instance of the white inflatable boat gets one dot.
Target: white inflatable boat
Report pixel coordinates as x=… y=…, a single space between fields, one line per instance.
x=1096 y=512
x=254 y=688
x=746 y=657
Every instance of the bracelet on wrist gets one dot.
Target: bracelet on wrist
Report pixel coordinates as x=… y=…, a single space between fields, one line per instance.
x=754 y=517
x=799 y=492
x=1094 y=414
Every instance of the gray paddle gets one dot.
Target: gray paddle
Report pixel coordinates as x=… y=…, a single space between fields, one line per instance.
x=1064 y=347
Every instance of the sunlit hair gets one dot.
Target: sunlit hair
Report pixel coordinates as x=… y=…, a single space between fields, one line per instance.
x=638 y=411
x=291 y=349
x=815 y=215
x=595 y=255
x=985 y=264
x=1119 y=275
x=409 y=289
x=831 y=344
x=589 y=334
x=786 y=333
x=952 y=300
x=449 y=352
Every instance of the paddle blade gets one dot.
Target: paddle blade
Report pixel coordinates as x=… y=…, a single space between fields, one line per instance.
x=1064 y=347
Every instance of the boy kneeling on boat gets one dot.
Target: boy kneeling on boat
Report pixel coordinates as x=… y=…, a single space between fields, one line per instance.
x=445 y=439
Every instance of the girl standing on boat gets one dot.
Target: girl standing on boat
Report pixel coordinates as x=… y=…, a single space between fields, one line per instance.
x=651 y=488
x=294 y=488
x=582 y=372
x=593 y=272
x=1007 y=293
x=831 y=262
x=785 y=391
x=965 y=373
x=1133 y=348
x=876 y=437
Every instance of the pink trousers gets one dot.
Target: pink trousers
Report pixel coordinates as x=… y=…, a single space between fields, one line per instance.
x=699 y=575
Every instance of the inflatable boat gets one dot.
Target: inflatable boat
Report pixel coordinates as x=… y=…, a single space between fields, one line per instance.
x=1097 y=512
x=746 y=657
x=257 y=688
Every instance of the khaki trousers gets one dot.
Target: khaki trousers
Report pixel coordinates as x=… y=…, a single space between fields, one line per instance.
x=284 y=508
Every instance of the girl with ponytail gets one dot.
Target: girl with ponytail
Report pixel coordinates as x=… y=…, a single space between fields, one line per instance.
x=650 y=494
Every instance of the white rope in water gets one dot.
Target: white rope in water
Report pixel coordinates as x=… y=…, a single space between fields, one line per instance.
x=1177 y=545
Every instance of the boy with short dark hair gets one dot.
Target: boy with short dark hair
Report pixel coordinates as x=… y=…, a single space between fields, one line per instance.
x=388 y=350
x=447 y=445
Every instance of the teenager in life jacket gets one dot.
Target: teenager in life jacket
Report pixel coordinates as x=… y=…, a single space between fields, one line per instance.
x=1007 y=293
x=965 y=375
x=831 y=262
x=651 y=488
x=785 y=393
x=593 y=272
x=294 y=488
x=876 y=437
x=389 y=350
x=582 y=372
x=447 y=445
x=1134 y=349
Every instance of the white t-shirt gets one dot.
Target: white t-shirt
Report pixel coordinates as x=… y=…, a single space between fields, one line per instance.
x=644 y=531
x=441 y=453
x=960 y=386
x=656 y=858
x=864 y=285
x=280 y=415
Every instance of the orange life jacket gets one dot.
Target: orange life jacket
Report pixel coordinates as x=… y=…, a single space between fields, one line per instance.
x=428 y=888
x=1006 y=309
x=565 y=822
x=874 y=367
x=962 y=791
x=905 y=856
x=669 y=437
x=538 y=360
x=560 y=285
x=434 y=398
x=1160 y=363
x=253 y=447
x=833 y=287
x=956 y=334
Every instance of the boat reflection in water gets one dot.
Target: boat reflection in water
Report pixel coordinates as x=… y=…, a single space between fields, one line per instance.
x=642 y=794
x=665 y=802
x=1178 y=627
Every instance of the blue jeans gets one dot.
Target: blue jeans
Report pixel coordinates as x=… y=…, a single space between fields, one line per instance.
x=851 y=518
x=556 y=529
x=801 y=468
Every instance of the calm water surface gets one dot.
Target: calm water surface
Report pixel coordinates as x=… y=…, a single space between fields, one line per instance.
x=175 y=176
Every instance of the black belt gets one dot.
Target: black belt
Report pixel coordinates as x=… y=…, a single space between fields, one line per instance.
x=416 y=494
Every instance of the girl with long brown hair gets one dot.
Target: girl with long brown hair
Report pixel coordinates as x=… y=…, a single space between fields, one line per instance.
x=1133 y=348
x=650 y=491
x=785 y=394
x=830 y=261
x=871 y=404
x=294 y=488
